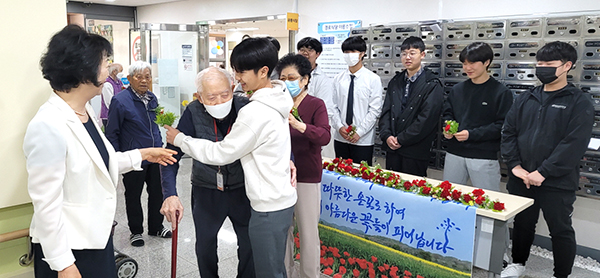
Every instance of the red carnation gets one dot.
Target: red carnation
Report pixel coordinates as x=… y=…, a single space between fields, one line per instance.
x=348 y=129
x=422 y=183
x=336 y=160
x=365 y=176
x=386 y=266
x=298 y=256
x=446 y=185
x=447 y=128
x=342 y=261
x=356 y=272
x=478 y=192
x=331 y=167
x=354 y=172
x=467 y=198
x=445 y=194
x=328 y=271
x=456 y=195
x=342 y=270
x=426 y=190
x=479 y=200
x=323 y=260
x=498 y=206
x=407 y=185
x=419 y=276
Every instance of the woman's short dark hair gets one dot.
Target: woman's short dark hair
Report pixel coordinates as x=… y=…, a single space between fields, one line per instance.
x=557 y=50
x=310 y=43
x=477 y=52
x=297 y=61
x=74 y=57
x=413 y=42
x=253 y=54
x=354 y=44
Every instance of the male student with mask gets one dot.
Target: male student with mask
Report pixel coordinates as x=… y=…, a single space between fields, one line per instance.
x=411 y=111
x=356 y=103
x=545 y=134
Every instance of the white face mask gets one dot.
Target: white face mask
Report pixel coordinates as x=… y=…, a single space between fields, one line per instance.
x=119 y=75
x=352 y=58
x=219 y=111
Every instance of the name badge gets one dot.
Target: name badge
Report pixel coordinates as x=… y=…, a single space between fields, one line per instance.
x=220 y=181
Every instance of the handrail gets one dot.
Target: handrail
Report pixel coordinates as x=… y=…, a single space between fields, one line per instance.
x=14 y=235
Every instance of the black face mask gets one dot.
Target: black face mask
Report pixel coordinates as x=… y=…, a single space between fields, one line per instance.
x=547 y=75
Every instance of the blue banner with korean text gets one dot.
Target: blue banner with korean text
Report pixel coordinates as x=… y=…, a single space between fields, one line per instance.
x=416 y=224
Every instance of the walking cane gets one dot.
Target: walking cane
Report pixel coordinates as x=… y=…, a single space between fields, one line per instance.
x=174 y=247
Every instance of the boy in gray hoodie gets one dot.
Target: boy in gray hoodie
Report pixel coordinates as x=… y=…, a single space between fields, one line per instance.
x=260 y=139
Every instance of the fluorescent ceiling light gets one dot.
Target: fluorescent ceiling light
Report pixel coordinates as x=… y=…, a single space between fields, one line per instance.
x=212 y=22
x=270 y=17
x=242 y=29
x=110 y=0
x=281 y=16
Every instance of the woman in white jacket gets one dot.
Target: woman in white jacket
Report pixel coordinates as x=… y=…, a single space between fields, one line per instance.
x=73 y=170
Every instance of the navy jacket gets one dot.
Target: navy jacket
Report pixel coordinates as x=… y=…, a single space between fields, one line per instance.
x=131 y=123
x=550 y=136
x=416 y=126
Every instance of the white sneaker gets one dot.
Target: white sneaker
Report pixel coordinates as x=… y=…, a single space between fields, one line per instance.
x=513 y=271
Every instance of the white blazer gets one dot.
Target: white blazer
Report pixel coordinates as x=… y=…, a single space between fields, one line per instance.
x=73 y=194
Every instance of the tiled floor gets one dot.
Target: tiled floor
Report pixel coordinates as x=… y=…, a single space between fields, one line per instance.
x=154 y=259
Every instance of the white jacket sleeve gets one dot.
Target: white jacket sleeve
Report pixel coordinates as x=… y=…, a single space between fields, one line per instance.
x=336 y=120
x=129 y=161
x=240 y=142
x=46 y=151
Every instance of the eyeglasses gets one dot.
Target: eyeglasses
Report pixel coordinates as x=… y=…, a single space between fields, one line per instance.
x=290 y=78
x=142 y=77
x=411 y=53
x=306 y=50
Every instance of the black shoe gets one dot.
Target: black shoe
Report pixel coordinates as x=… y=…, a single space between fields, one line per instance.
x=164 y=233
x=136 y=240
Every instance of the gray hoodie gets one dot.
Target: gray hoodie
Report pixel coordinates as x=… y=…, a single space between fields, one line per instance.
x=260 y=138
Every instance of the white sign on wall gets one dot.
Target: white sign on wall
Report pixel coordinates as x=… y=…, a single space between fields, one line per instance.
x=332 y=35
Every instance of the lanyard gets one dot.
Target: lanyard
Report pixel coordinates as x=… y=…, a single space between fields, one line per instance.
x=217 y=136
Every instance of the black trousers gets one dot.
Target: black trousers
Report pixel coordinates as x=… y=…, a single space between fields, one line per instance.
x=210 y=207
x=91 y=263
x=134 y=184
x=400 y=163
x=356 y=153
x=557 y=206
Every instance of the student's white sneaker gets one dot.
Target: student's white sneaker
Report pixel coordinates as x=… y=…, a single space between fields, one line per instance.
x=513 y=271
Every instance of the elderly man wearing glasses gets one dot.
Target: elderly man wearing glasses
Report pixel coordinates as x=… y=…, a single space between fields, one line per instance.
x=131 y=126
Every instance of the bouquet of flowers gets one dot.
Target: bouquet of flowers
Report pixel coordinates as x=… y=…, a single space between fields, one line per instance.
x=451 y=127
x=294 y=112
x=351 y=130
x=164 y=118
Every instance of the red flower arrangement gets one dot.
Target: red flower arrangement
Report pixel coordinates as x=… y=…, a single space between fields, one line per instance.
x=444 y=191
x=351 y=130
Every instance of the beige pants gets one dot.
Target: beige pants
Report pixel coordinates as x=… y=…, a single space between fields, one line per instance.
x=307 y=214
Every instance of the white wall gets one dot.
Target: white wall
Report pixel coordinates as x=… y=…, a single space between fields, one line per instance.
x=24 y=89
x=587 y=211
